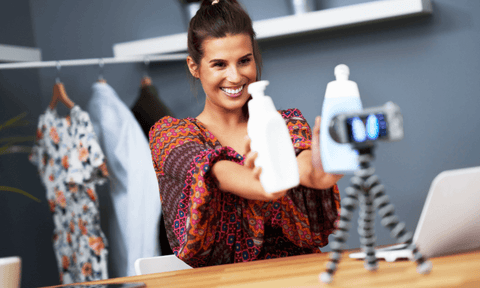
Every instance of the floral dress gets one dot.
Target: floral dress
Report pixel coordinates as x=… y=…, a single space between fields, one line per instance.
x=70 y=162
x=206 y=226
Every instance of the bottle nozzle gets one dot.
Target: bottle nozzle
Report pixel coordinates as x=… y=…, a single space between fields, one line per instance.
x=258 y=88
x=342 y=72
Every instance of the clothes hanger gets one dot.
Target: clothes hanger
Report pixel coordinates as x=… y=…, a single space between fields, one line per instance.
x=59 y=93
x=146 y=80
x=101 y=64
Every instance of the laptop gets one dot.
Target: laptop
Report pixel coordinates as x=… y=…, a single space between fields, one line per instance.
x=450 y=219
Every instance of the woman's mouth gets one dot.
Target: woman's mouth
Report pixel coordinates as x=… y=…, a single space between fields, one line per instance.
x=233 y=92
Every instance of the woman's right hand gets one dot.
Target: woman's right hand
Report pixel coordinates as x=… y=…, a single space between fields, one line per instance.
x=249 y=163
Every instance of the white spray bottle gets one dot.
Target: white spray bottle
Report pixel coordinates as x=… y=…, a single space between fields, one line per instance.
x=341 y=96
x=270 y=138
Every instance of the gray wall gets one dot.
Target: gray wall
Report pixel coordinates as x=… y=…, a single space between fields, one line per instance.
x=25 y=225
x=429 y=66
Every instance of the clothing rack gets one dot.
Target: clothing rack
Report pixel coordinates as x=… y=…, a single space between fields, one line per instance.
x=96 y=61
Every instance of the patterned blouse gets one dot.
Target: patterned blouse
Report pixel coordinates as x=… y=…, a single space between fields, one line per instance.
x=206 y=226
x=70 y=163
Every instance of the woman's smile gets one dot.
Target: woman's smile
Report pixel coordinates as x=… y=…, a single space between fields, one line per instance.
x=233 y=91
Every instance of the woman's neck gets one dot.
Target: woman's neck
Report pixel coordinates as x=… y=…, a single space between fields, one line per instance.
x=229 y=129
x=224 y=119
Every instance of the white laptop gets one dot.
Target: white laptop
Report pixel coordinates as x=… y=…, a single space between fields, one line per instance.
x=450 y=219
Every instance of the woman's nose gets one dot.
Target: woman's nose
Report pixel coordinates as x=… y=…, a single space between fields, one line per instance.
x=233 y=75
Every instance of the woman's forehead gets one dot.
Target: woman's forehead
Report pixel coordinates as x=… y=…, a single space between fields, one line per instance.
x=230 y=46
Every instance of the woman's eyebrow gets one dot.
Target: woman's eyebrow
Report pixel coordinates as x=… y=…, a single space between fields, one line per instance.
x=222 y=60
x=216 y=60
x=247 y=55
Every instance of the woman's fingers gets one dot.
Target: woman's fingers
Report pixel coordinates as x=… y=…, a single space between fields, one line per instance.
x=316 y=127
x=250 y=159
x=249 y=162
x=316 y=155
x=247 y=144
x=256 y=172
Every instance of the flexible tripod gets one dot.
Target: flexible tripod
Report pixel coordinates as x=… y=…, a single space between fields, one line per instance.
x=366 y=188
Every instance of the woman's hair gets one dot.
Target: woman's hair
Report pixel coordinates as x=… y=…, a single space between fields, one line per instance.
x=216 y=21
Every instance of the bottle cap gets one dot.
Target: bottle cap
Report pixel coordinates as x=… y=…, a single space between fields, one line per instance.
x=258 y=88
x=342 y=72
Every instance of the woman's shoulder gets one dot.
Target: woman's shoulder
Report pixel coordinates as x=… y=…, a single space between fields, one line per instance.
x=170 y=125
x=292 y=113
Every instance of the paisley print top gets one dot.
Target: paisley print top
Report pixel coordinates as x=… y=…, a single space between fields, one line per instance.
x=70 y=163
x=206 y=226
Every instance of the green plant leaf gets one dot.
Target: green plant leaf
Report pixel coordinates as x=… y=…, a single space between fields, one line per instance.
x=16 y=190
x=15 y=121
x=17 y=139
x=10 y=148
x=15 y=149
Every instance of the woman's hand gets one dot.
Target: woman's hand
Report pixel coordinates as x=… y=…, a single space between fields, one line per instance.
x=249 y=163
x=243 y=181
x=310 y=164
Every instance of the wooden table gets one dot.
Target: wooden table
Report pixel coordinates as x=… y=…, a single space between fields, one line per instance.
x=461 y=270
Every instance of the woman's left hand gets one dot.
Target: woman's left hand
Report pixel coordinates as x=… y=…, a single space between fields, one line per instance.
x=310 y=164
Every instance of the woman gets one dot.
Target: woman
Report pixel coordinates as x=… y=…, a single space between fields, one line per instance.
x=215 y=208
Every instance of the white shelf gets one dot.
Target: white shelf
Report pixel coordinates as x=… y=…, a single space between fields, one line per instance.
x=10 y=53
x=294 y=24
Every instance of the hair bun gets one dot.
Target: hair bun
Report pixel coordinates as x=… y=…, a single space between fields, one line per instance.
x=213 y=2
x=208 y=2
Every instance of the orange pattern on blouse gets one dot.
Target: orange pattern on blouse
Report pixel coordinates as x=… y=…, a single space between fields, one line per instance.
x=206 y=226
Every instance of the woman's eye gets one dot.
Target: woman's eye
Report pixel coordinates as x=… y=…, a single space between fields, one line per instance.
x=245 y=61
x=219 y=64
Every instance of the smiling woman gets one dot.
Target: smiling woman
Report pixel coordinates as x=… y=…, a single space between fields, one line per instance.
x=226 y=68
x=215 y=208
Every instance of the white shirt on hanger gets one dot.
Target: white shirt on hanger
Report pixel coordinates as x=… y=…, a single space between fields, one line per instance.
x=133 y=223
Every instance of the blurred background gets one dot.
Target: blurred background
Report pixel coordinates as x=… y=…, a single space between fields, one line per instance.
x=428 y=65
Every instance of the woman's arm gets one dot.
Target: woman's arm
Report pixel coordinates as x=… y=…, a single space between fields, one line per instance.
x=310 y=165
x=243 y=181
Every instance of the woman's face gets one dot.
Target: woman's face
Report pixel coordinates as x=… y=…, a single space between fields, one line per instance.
x=226 y=70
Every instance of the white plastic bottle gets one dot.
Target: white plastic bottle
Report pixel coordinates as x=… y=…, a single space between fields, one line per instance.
x=341 y=96
x=270 y=138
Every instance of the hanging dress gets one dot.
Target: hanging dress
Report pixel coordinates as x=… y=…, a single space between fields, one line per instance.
x=70 y=164
x=149 y=108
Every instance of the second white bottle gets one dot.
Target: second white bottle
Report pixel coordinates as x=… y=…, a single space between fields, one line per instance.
x=270 y=138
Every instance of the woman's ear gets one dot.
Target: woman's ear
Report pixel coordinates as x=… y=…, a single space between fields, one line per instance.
x=193 y=67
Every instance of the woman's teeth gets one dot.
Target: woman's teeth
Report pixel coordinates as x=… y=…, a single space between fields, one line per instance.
x=233 y=91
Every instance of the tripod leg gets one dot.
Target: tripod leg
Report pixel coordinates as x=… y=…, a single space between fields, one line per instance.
x=341 y=234
x=397 y=229
x=366 y=221
x=366 y=230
